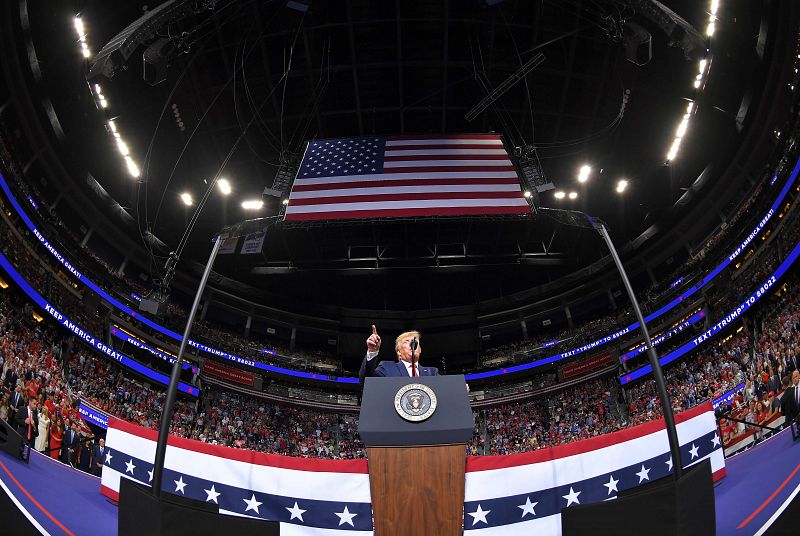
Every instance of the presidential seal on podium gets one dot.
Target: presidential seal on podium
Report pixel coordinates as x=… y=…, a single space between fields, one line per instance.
x=415 y=402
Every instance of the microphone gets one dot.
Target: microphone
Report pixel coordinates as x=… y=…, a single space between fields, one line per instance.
x=413 y=343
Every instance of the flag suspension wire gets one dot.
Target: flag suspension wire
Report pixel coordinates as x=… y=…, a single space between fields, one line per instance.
x=658 y=375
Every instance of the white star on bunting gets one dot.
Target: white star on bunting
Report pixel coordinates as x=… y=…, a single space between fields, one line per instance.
x=108 y=458
x=693 y=451
x=479 y=515
x=572 y=497
x=180 y=484
x=715 y=441
x=346 y=517
x=669 y=464
x=212 y=494
x=150 y=474
x=296 y=512
x=527 y=508
x=612 y=484
x=644 y=474
x=252 y=504
x=129 y=467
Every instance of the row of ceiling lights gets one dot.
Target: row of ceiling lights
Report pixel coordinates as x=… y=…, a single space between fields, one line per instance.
x=584 y=173
x=703 y=68
x=224 y=186
x=102 y=103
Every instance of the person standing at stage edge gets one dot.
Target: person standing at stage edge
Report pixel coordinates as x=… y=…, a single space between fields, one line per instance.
x=404 y=366
x=27 y=421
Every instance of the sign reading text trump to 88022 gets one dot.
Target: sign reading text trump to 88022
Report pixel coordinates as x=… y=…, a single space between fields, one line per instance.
x=415 y=402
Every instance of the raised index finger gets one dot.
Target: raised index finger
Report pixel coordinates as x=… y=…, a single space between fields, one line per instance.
x=374 y=331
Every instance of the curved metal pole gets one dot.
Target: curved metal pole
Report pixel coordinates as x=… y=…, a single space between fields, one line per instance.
x=658 y=375
x=172 y=389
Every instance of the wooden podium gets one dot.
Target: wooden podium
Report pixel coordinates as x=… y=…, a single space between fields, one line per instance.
x=416 y=469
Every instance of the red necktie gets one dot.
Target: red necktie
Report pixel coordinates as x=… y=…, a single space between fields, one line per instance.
x=30 y=424
x=414 y=370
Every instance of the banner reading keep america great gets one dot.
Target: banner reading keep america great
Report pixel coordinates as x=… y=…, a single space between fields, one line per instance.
x=514 y=494
x=405 y=176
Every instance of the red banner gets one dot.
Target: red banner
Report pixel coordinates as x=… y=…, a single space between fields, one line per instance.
x=585 y=365
x=226 y=373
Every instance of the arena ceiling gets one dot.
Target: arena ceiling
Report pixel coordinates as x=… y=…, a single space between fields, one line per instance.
x=248 y=82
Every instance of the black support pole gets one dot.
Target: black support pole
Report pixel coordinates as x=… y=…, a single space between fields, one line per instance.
x=172 y=389
x=658 y=375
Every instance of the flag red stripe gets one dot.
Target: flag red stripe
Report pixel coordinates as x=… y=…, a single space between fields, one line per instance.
x=429 y=169
x=409 y=212
x=442 y=147
x=448 y=137
x=399 y=182
x=448 y=157
x=404 y=197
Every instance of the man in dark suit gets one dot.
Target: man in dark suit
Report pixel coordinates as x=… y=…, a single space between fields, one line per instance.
x=26 y=420
x=98 y=457
x=70 y=445
x=17 y=400
x=790 y=402
x=404 y=366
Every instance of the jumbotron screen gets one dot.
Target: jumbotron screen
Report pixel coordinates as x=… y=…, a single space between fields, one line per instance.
x=405 y=176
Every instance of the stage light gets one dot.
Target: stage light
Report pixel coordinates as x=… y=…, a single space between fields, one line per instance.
x=583 y=174
x=710 y=29
x=133 y=169
x=112 y=126
x=573 y=195
x=621 y=185
x=224 y=186
x=186 y=197
x=673 y=151
x=285 y=202
x=252 y=204
x=689 y=107
x=527 y=193
x=81 y=31
x=123 y=147
x=559 y=195
x=696 y=84
x=682 y=128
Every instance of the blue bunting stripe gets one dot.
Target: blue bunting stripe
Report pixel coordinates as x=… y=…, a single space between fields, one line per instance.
x=539 y=503
x=297 y=510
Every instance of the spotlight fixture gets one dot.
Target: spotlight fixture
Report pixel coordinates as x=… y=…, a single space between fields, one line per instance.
x=527 y=193
x=285 y=201
x=559 y=195
x=621 y=185
x=583 y=174
x=224 y=186
x=186 y=197
x=573 y=195
x=81 y=31
x=252 y=204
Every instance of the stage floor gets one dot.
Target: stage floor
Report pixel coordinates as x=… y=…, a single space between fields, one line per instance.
x=759 y=486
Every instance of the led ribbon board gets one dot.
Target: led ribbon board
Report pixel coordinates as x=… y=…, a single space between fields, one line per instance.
x=87 y=337
x=313 y=376
x=642 y=348
x=720 y=326
x=93 y=415
x=125 y=337
x=727 y=398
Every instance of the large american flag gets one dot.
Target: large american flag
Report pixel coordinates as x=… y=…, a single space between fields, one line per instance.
x=403 y=176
